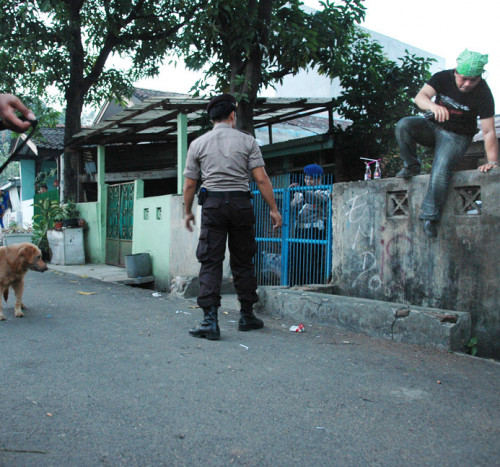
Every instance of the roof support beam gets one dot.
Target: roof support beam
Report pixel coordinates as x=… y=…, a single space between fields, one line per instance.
x=182 y=146
x=102 y=204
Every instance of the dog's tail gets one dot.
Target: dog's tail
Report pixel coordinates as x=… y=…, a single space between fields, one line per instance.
x=6 y=294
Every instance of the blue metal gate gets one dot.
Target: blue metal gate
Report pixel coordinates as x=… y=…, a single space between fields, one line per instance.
x=301 y=251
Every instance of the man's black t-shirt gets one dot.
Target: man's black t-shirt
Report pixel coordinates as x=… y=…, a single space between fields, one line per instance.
x=464 y=107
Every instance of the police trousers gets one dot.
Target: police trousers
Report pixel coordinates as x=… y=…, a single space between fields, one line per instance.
x=226 y=220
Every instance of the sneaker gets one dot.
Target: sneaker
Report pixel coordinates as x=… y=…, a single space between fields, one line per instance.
x=407 y=172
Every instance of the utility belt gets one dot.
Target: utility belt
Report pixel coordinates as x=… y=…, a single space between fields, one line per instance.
x=203 y=194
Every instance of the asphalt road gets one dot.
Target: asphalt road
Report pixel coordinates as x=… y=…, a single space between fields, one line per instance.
x=113 y=378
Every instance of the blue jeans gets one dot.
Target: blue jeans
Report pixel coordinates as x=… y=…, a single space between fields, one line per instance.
x=448 y=147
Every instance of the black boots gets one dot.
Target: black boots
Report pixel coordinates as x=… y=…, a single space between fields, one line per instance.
x=209 y=327
x=248 y=321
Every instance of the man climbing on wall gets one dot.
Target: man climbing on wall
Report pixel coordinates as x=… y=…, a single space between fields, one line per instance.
x=452 y=101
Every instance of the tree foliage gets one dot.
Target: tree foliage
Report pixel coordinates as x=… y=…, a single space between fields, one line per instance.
x=246 y=45
x=376 y=93
x=65 y=45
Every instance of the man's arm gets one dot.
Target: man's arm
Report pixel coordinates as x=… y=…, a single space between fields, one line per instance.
x=189 y=192
x=8 y=105
x=424 y=101
x=490 y=144
x=298 y=198
x=266 y=190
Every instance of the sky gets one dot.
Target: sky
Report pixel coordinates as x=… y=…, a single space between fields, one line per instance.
x=442 y=27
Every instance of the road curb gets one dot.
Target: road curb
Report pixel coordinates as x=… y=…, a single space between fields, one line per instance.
x=431 y=327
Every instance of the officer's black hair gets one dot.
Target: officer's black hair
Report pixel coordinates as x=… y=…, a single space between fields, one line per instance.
x=221 y=111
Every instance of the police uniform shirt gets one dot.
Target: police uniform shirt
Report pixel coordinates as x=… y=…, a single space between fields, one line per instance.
x=224 y=157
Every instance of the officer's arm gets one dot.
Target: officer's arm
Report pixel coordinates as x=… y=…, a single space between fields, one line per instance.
x=490 y=143
x=424 y=102
x=189 y=192
x=266 y=190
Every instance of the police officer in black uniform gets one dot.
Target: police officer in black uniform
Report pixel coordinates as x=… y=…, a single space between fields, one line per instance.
x=224 y=158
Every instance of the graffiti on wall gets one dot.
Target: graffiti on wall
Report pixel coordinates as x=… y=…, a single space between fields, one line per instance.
x=363 y=243
x=373 y=251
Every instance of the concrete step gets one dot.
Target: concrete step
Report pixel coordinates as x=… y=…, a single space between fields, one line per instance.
x=443 y=329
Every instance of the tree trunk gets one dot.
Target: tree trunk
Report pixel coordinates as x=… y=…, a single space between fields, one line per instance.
x=75 y=93
x=70 y=158
x=340 y=175
x=253 y=67
x=244 y=120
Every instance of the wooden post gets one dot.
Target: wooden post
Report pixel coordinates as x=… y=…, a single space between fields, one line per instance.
x=102 y=202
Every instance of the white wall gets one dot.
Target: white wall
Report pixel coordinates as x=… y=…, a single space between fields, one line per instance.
x=15 y=200
x=311 y=84
x=27 y=211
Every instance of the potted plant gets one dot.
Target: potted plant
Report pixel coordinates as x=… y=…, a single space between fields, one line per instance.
x=59 y=220
x=15 y=233
x=71 y=214
x=66 y=241
x=48 y=210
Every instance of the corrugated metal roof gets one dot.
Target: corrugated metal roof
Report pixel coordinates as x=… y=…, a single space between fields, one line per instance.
x=155 y=119
x=143 y=94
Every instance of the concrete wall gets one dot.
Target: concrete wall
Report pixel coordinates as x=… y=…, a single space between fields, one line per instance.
x=27 y=211
x=92 y=238
x=158 y=230
x=183 y=243
x=152 y=235
x=380 y=251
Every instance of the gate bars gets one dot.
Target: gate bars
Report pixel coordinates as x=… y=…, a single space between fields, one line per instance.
x=301 y=251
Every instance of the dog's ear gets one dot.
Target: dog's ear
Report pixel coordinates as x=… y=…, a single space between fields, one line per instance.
x=19 y=260
x=32 y=252
x=35 y=254
x=23 y=251
x=26 y=255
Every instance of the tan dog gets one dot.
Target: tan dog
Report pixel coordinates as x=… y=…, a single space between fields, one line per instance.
x=15 y=260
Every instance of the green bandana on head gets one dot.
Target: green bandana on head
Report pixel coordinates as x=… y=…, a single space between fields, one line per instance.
x=471 y=63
